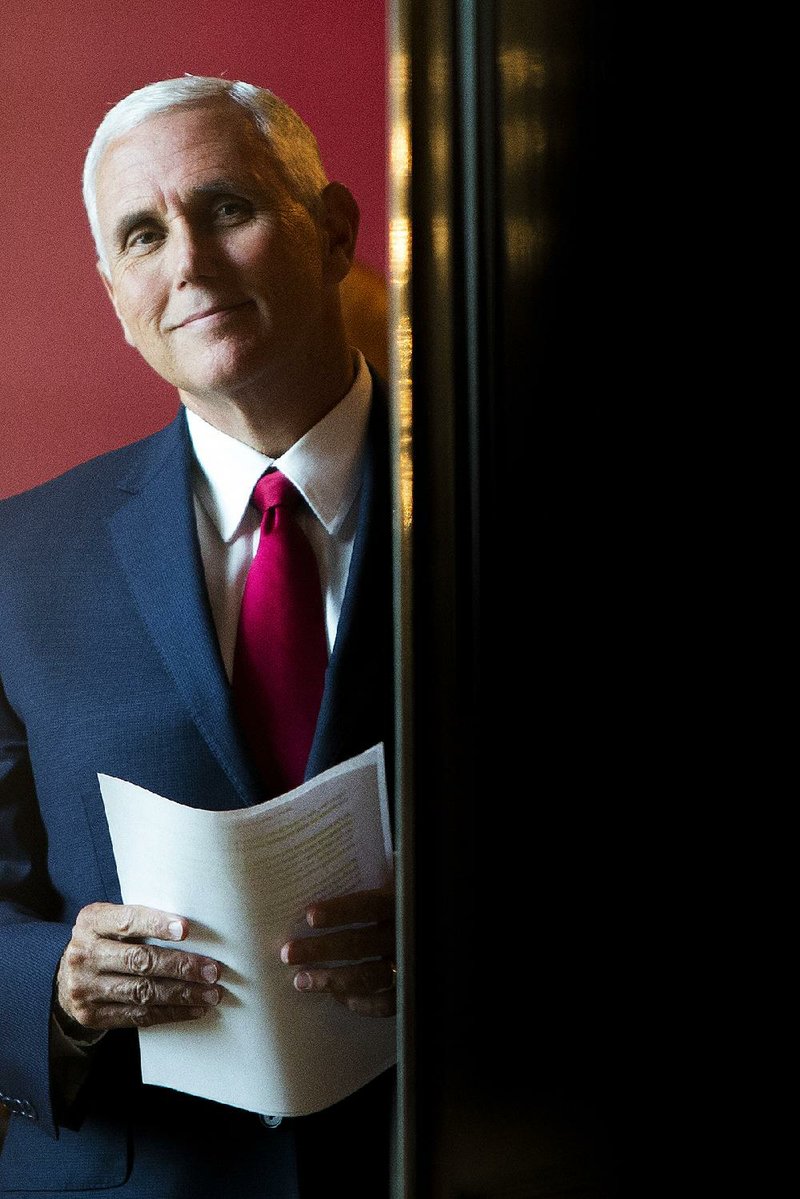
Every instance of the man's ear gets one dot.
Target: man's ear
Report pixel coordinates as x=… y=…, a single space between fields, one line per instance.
x=108 y=285
x=340 y=223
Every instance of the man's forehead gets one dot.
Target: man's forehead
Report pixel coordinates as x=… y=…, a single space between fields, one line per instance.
x=186 y=144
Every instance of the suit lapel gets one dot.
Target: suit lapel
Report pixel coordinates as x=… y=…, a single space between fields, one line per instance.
x=357 y=704
x=155 y=538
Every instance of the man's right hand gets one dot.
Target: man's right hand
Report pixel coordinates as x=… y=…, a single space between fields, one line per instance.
x=108 y=978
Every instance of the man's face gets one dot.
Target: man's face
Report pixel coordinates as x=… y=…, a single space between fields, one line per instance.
x=221 y=279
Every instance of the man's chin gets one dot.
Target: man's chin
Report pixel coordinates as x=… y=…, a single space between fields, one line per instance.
x=223 y=378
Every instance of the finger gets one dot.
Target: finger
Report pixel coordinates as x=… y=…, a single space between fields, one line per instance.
x=348 y=945
x=140 y=992
x=359 y=907
x=365 y=978
x=117 y=1015
x=130 y=920
x=382 y=1004
x=153 y=961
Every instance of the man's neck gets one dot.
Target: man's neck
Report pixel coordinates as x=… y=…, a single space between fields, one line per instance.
x=271 y=415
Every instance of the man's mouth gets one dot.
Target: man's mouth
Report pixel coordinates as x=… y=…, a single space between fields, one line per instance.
x=213 y=310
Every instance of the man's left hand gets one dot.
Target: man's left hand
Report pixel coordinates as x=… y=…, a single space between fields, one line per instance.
x=366 y=983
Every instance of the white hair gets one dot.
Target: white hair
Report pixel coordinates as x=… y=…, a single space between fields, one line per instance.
x=291 y=142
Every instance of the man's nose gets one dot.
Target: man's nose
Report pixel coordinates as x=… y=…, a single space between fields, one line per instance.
x=194 y=254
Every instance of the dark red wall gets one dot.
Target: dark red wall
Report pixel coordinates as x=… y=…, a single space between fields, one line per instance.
x=69 y=386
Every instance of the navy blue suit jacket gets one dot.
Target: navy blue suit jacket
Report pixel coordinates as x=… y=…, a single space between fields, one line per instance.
x=109 y=662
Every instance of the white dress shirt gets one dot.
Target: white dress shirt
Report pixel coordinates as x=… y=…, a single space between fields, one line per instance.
x=325 y=466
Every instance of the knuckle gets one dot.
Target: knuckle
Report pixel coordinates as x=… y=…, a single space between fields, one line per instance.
x=142 y=991
x=125 y=919
x=78 y=991
x=184 y=965
x=87 y=917
x=73 y=956
x=152 y=923
x=139 y=959
x=140 y=1016
x=119 y=990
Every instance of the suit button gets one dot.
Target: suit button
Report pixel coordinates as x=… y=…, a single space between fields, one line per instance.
x=271 y=1121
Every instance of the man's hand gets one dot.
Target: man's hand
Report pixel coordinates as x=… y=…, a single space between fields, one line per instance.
x=367 y=984
x=108 y=979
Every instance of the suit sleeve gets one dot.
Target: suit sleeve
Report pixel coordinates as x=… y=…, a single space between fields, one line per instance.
x=32 y=938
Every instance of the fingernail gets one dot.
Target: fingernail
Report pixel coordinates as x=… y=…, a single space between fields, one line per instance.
x=211 y=996
x=285 y=954
x=210 y=973
x=303 y=982
x=175 y=930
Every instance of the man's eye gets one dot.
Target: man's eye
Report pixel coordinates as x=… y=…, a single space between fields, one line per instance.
x=231 y=209
x=141 y=239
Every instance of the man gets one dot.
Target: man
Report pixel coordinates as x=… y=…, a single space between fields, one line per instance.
x=125 y=649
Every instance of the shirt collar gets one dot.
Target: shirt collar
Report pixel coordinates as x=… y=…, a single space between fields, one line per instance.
x=324 y=465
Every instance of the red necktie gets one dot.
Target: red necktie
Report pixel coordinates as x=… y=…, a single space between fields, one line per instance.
x=281 y=649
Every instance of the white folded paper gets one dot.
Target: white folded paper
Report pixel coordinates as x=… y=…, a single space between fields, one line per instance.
x=243 y=878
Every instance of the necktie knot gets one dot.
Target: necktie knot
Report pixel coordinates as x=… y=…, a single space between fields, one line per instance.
x=274 y=490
